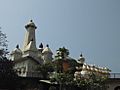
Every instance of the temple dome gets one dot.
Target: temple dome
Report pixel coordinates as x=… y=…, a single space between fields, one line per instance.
x=47 y=50
x=17 y=50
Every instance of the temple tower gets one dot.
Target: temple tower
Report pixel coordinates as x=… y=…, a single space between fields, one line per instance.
x=29 y=45
x=30 y=36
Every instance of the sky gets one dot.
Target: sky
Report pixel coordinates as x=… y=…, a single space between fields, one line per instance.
x=88 y=26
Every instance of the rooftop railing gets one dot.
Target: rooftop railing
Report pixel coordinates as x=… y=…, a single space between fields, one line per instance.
x=114 y=75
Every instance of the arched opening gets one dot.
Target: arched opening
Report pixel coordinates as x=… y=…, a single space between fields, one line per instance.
x=117 y=88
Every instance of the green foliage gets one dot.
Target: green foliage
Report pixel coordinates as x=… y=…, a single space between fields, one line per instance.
x=7 y=74
x=64 y=50
x=54 y=70
x=45 y=69
x=6 y=66
x=64 y=78
x=52 y=88
x=86 y=83
x=60 y=57
x=6 y=69
x=92 y=82
x=3 y=41
x=58 y=65
x=61 y=52
x=3 y=45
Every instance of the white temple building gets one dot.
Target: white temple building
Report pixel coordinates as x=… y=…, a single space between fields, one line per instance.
x=29 y=56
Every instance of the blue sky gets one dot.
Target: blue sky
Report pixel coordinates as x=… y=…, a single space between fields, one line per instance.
x=88 y=26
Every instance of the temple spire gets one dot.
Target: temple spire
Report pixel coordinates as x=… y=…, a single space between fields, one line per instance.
x=29 y=35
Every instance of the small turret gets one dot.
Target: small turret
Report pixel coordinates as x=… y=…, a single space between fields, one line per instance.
x=81 y=60
x=47 y=54
x=16 y=53
x=47 y=50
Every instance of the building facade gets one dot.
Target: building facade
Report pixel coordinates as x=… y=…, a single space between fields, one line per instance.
x=29 y=56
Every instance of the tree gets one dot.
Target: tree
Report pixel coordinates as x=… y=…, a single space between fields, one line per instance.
x=3 y=44
x=64 y=68
x=65 y=78
x=45 y=69
x=91 y=82
x=61 y=56
x=3 y=41
x=6 y=66
x=7 y=74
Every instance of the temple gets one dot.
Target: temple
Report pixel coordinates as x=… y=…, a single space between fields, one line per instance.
x=29 y=56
